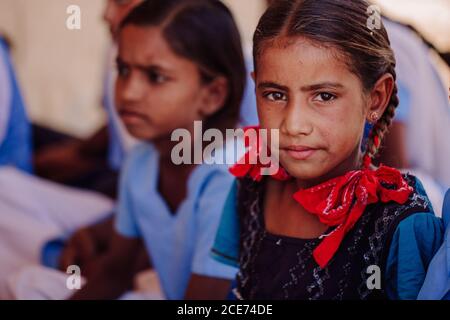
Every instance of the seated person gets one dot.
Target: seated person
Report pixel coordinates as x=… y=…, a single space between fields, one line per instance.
x=172 y=211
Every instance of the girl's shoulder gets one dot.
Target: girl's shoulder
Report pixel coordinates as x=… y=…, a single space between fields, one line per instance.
x=417 y=210
x=414 y=239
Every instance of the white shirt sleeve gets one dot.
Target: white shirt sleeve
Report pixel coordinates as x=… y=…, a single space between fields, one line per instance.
x=5 y=93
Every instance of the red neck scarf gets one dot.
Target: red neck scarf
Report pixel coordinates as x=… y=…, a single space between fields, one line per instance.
x=339 y=202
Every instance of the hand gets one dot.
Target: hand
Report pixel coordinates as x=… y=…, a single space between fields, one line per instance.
x=81 y=250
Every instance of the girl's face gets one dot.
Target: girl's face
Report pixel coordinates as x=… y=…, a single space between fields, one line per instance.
x=317 y=104
x=157 y=91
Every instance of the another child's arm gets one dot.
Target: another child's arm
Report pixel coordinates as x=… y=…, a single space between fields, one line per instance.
x=86 y=245
x=414 y=243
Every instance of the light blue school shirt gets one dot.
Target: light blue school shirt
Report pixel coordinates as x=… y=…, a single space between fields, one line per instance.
x=178 y=244
x=16 y=146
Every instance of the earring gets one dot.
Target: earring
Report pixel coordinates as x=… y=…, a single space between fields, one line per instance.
x=373 y=117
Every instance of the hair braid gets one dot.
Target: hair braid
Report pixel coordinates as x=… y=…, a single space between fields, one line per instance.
x=382 y=125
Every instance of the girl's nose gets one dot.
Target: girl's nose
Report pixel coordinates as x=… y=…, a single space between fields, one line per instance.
x=133 y=88
x=297 y=119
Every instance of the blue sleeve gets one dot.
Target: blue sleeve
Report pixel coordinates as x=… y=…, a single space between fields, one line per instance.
x=404 y=106
x=437 y=281
x=226 y=244
x=209 y=212
x=125 y=222
x=414 y=243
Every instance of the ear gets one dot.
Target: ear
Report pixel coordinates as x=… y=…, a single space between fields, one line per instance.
x=253 y=75
x=215 y=95
x=380 y=97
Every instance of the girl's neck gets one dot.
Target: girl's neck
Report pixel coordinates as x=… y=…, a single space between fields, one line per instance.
x=172 y=178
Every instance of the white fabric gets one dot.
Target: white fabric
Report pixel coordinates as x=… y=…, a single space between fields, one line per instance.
x=428 y=125
x=41 y=283
x=33 y=211
x=5 y=94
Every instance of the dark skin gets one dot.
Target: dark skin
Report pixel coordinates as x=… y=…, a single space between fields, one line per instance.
x=113 y=277
x=67 y=161
x=156 y=92
x=312 y=112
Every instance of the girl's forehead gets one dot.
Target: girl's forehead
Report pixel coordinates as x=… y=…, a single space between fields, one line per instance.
x=300 y=53
x=303 y=47
x=147 y=45
x=299 y=62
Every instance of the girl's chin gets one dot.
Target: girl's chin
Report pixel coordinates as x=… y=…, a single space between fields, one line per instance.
x=304 y=172
x=138 y=133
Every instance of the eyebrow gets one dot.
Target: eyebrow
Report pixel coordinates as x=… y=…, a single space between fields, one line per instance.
x=144 y=68
x=322 y=85
x=272 y=85
x=313 y=87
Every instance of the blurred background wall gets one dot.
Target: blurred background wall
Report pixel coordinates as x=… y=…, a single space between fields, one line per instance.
x=61 y=70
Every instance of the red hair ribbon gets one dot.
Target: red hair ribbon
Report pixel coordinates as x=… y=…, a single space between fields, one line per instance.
x=339 y=202
x=244 y=166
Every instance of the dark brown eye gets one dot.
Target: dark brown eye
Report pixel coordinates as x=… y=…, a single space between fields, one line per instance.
x=155 y=77
x=122 y=70
x=275 y=96
x=325 y=97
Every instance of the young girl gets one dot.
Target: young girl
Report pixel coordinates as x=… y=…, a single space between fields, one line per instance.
x=178 y=62
x=328 y=224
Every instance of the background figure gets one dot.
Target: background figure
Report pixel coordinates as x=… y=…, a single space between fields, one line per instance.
x=416 y=140
x=15 y=135
x=95 y=162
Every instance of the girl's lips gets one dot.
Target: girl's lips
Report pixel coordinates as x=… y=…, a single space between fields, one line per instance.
x=300 y=153
x=129 y=117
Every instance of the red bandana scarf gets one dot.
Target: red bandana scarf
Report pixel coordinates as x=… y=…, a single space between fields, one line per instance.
x=339 y=202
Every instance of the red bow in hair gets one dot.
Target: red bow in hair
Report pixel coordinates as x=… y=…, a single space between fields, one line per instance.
x=339 y=202
x=245 y=166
